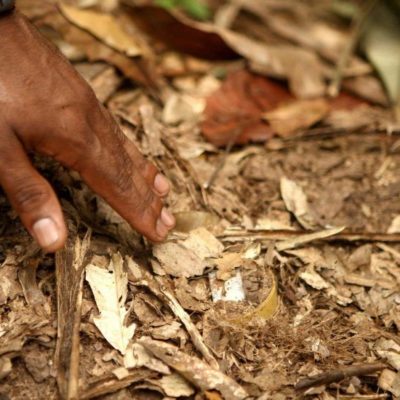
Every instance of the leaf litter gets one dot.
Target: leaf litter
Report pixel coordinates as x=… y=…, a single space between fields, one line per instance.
x=282 y=277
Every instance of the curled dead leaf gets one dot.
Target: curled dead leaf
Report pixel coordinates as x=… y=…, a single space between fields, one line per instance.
x=104 y=27
x=299 y=66
x=234 y=112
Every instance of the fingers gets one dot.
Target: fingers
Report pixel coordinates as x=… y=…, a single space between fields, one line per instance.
x=125 y=186
x=114 y=168
x=31 y=195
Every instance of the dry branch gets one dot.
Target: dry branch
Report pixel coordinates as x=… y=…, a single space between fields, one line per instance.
x=339 y=374
x=165 y=295
x=278 y=235
x=111 y=384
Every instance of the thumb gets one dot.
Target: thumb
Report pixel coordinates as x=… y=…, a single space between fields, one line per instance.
x=31 y=195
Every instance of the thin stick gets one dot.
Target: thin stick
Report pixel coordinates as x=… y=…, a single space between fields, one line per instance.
x=339 y=374
x=240 y=236
x=70 y=263
x=358 y=25
x=110 y=384
x=165 y=294
x=220 y=165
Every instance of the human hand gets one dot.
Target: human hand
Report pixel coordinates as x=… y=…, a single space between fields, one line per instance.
x=47 y=107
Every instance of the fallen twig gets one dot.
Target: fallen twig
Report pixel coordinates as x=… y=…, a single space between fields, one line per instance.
x=70 y=266
x=164 y=294
x=262 y=235
x=339 y=374
x=358 y=25
x=220 y=165
x=111 y=384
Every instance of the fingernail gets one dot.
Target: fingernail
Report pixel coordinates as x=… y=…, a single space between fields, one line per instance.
x=45 y=232
x=161 y=184
x=167 y=218
x=161 y=229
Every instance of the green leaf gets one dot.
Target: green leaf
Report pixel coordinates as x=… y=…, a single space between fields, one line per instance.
x=168 y=4
x=195 y=8
x=381 y=44
x=345 y=9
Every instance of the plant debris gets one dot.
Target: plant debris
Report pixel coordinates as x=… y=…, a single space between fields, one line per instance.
x=282 y=278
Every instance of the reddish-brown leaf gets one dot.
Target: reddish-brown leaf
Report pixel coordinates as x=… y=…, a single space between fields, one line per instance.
x=233 y=113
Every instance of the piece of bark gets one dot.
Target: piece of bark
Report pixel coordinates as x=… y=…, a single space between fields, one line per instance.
x=33 y=295
x=70 y=266
x=194 y=370
x=337 y=375
x=111 y=384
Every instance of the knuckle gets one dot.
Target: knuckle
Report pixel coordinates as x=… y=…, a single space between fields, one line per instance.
x=29 y=197
x=146 y=167
x=143 y=204
x=123 y=180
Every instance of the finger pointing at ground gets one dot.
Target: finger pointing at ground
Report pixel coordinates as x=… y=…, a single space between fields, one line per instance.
x=30 y=195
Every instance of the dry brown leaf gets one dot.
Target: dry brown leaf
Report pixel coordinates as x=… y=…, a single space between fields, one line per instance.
x=307 y=238
x=104 y=27
x=234 y=112
x=9 y=286
x=177 y=260
x=389 y=350
x=313 y=279
x=153 y=132
x=296 y=202
x=301 y=114
x=189 y=257
x=110 y=289
x=300 y=66
x=194 y=370
x=227 y=263
x=137 y=356
x=136 y=69
x=203 y=243
x=174 y=385
x=390 y=381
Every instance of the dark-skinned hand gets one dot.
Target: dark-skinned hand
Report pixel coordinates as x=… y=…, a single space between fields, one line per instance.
x=46 y=107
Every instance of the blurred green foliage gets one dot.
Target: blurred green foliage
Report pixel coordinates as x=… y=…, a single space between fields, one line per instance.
x=195 y=8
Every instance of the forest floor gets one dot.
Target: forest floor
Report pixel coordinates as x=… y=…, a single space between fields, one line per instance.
x=282 y=278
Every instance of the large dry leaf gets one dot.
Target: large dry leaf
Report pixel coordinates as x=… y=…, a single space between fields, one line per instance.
x=301 y=114
x=299 y=66
x=203 y=243
x=390 y=381
x=137 y=69
x=174 y=385
x=389 y=350
x=104 y=27
x=194 y=370
x=188 y=258
x=110 y=289
x=178 y=261
x=381 y=43
x=137 y=356
x=296 y=202
x=312 y=278
x=234 y=112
